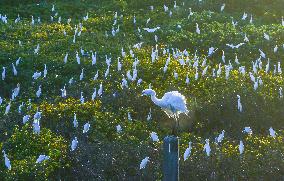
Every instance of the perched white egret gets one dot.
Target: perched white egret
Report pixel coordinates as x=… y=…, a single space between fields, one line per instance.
x=18 y=61
x=149 y=116
x=7 y=161
x=241 y=147
x=245 y=15
x=275 y=49
x=197 y=29
x=144 y=163
x=187 y=152
x=8 y=107
x=86 y=127
x=75 y=122
x=26 y=119
x=220 y=137
x=262 y=54
x=15 y=72
x=36 y=126
x=74 y=144
x=118 y=129
x=151 y=30
x=223 y=7
x=100 y=91
x=36 y=75
x=266 y=36
x=4 y=73
x=82 y=74
x=207 y=148
x=280 y=93
x=94 y=58
x=172 y=103
x=154 y=136
x=78 y=58
x=38 y=92
x=240 y=107
x=82 y=99
x=129 y=116
x=272 y=133
x=235 y=46
x=247 y=130
x=42 y=158
x=65 y=58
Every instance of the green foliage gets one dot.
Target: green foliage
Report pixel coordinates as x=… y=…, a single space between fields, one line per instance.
x=23 y=149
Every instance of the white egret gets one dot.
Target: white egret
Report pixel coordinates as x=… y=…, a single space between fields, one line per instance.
x=187 y=152
x=74 y=144
x=26 y=119
x=241 y=147
x=118 y=129
x=86 y=127
x=207 y=148
x=4 y=73
x=144 y=163
x=240 y=107
x=42 y=158
x=75 y=122
x=154 y=136
x=8 y=107
x=247 y=130
x=220 y=137
x=272 y=133
x=7 y=161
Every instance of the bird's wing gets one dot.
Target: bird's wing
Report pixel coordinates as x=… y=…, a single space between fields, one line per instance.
x=176 y=100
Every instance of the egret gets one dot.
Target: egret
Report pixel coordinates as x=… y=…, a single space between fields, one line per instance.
x=245 y=15
x=86 y=127
x=82 y=74
x=118 y=129
x=207 y=148
x=266 y=36
x=241 y=147
x=78 y=58
x=187 y=152
x=235 y=46
x=26 y=118
x=272 y=133
x=36 y=126
x=275 y=49
x=154 y=136
x=65 y=58
x=172 y=103
x=36 y=75
x=240 y=107
x=14 y=70
x=149 y=116
x=75 y=122
x=197 y=29
x=280 y=93
x=38 y=92
x=44 y=71
x=4 y=73
x=7 y=161
x=74 y=144
x=82 y=99
x=94 y=58
x=100 y=91
x=144 y=163
x=223 y=7
x=94 y=94
x=129 y=116
x=8 y=107
x=42 y=158
x=247 y=130
x=151 y=30
x=220 y=138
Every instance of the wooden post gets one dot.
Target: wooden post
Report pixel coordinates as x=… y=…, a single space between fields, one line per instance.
x=171 y=159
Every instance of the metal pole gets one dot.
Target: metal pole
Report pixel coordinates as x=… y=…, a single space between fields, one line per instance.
x=171 y=158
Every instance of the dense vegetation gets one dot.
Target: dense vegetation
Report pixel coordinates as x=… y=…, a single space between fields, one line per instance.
x=103 y=153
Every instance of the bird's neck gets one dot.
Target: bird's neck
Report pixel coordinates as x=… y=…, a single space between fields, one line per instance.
x=156 y=100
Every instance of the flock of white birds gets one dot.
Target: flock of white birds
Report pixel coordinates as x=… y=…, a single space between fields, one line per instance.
x=173 y=103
